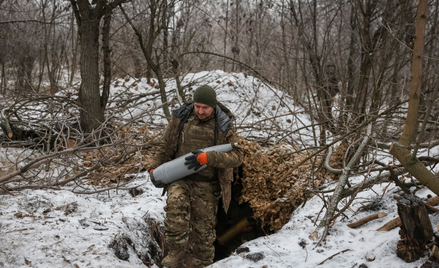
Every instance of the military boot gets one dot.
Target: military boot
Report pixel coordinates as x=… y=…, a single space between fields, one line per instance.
x=175 y=258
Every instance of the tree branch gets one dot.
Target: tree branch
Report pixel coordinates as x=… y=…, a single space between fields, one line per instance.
x=337 y=196
x=328 y=167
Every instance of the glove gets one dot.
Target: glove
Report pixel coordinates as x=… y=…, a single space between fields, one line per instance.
x=196 y=160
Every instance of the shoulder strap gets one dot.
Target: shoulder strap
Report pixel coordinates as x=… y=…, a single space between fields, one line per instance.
x=223 y=121
x=183 y=113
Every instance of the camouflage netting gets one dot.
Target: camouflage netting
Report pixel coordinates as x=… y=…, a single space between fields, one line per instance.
x=273 y=189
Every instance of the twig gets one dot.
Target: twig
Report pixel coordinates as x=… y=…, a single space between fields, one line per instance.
x=108 y=189
x=19 y=230
x=6 y=190
x=343 y=251
x=306 y=258
x=339 y=139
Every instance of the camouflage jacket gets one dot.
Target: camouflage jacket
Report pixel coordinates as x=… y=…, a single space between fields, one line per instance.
x=224 y=132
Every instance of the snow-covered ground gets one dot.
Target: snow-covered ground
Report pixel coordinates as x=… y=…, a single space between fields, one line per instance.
x=48 y=228
x=57 y=228
x=291 y=246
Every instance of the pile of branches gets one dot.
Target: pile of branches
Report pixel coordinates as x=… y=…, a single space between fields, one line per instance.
x=271 y=185
x=109 y=161
x=128 y=158
x=39 y=121
x=44 y=146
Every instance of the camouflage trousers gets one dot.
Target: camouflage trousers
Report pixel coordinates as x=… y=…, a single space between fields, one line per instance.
x=191 y=209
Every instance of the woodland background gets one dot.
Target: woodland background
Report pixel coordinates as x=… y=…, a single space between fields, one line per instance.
x=310 y=49
x=365 y=72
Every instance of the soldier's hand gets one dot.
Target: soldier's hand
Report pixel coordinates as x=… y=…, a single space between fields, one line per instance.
x=196 y=160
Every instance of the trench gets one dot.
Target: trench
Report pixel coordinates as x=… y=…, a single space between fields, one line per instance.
x=237 y=226
x=233 y=229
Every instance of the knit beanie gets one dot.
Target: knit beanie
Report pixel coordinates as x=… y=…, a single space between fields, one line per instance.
x=205 y=95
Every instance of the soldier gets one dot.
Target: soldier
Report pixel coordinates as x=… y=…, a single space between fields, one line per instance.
x=192 y=202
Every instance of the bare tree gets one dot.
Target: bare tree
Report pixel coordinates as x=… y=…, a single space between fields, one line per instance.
x=158 y=22
x=401 y=149
x=92 y=101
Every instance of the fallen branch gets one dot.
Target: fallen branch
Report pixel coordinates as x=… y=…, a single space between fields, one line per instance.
x=435 y=210
x=387 y=146
x=391 y=225
x=434 y=201
x=343 y=137
x=435 y=251
x=394 y=177
x=87 y=144
x=367 y=219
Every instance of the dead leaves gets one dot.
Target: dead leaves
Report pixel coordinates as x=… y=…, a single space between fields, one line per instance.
x=273 y=201
x=115 y=164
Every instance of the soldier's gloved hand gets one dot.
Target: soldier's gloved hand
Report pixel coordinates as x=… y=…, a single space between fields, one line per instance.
x=196 y=160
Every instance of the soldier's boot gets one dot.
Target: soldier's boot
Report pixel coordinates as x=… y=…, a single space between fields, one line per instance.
x=175 y=258
x=197 y=263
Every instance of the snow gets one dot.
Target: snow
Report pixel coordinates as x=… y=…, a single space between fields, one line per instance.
x=57 y=228
x=283 y=249
x=45 y=236
x=260 y=110
x=53 y=239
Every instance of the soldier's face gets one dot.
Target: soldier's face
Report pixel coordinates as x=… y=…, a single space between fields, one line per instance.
x=203 y=111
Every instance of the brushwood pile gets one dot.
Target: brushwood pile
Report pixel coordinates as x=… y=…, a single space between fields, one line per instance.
x=271 y=184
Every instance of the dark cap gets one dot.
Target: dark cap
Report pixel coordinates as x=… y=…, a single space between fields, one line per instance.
x=205 y=95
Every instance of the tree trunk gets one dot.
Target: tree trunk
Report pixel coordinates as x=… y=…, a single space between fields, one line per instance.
x=107 y=60
x=92 y=114
x=24 y=75
x=411 y=124
x=137 y=64
x=163 y=96
x=415 y=167
x=176 y=70
x=349 y=95
x=366 y=64
x=74 y=53
x=416 y=230
x=226 y=34
x=3 y=81
x=88 y=18
x=400 y=150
